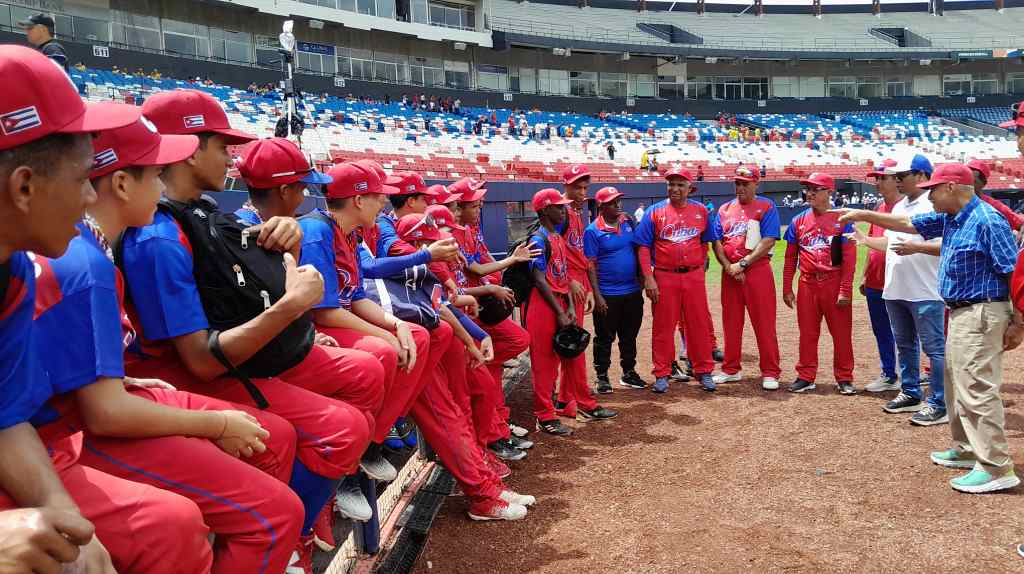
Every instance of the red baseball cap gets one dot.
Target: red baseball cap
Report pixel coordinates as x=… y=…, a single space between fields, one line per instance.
x=981 y=167
x=375 y=167
x=678 y=171
x=39 y=99
x=879 y=170
x=1016 y=118
x=744 y=173
x=817 y=179
x=443 y=217
x=574 y=172
x=548 y=196
x=950 y=173
x=606 y=194
x=442 y=195
x=351 y=179
x=191 y=112
x=138 y=144
x=408 y=183
x=273 y=162
x=469 y=189
x=417 y=227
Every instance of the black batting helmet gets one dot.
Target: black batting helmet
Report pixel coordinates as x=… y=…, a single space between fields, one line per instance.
x=493 y=310
x=571 y=341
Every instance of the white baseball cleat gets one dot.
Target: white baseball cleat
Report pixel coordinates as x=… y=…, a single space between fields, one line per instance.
x=770 y=384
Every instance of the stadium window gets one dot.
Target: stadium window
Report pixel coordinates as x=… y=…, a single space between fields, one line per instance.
x=386 y=9
x=728 y=88
x=869 y=87
x=133 y=30
x=956 y=84
x=583 y=83
x=494 y=78
x=347 y=5
x=362 y=64
x=322 y=3
x=85 y=28
x=555 y=82
x=755 y=88
x=984 y=84
x=842 y=87
x=783 y=87
x=895 y=87
x=62 y=26
x=230 y=46
x=612 y=84
x=1015 y=83
x=368 y=7
x=523 y=80
x=420 y=13
x=385 y=67
x=456 y=74
x=267 y=53
x=426 y=72
x=644 y=85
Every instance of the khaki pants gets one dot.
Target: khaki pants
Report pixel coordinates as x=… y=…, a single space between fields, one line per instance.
x=974 y=375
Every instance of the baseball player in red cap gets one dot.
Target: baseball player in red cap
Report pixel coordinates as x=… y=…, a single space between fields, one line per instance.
x=982 y=171
x=143 y=435
x=888 y=185
x=354 y=198
x=748 y=228
x=1016 y=123
x=45 y=160
x=277 y=175
x=551 y=307
x=672 y=237
x=158 y=269
x=576 y=179
x=817 y=244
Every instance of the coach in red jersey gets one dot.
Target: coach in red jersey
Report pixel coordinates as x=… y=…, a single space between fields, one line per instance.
x=673 y=236
x=827 y=259
x=748 y=228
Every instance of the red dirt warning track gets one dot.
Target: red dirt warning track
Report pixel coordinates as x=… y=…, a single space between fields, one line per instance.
x=743 y=481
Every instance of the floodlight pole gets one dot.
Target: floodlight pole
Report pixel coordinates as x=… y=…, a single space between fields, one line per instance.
x=287 y=40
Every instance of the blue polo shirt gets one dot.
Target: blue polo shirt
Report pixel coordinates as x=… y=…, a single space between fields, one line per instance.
x=611 y=249
x=978 y=251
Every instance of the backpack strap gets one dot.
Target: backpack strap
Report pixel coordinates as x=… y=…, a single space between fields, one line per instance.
x=213 y=344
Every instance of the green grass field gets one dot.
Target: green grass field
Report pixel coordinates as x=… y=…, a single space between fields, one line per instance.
x=714 y=276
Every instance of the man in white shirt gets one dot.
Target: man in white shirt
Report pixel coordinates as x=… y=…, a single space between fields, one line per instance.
x=639 y=213
x=911 y=294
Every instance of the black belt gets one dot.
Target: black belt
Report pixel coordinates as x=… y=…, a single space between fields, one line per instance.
x=680 y=269
x=968 y=302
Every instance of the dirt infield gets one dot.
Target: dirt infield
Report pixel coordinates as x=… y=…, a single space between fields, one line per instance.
x=743 y=481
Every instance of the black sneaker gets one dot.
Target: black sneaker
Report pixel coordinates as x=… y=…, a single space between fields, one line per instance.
x=678 y=374
x=689 y=368
x=598 y=414
x=801 y=386
x=503 y=450
x=631 y=380
x=554 y=427
x=929 y=416
x=604 y=386
x=718 y=355
x=846 y=388
x=903 y=403
x=519 y=443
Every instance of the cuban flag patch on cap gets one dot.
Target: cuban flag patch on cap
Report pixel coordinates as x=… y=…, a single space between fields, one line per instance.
x=362 y=186
x=20 y=120
x=104 y=158
x=196 y=121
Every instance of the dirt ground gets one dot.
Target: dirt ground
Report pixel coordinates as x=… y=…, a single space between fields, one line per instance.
x=743 y=480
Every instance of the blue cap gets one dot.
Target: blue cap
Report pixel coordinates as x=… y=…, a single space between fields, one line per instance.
x=317 y=178
x=918 y=163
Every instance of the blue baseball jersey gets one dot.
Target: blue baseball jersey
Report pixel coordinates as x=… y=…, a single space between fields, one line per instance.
x=387 y=234
x=23 y=386
x=80 y=315
x=158 y=271
x=248 y=216
x=336 y=257
x=611 y=248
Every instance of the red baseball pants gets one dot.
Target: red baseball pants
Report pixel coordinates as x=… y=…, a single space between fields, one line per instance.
x=447 y=429
x=756 y=294
x=332 y=434
x=542 y=323
x=147 y=530
x=399 y=391
x=682 y=297
x=475 y=393
x=510 y=340
x=816 y=299
x=254 y=514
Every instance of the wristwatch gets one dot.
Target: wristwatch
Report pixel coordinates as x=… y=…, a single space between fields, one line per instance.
x=743 y=263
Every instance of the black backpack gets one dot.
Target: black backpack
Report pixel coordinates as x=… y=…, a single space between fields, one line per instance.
x=518 y=277
x=237 y=281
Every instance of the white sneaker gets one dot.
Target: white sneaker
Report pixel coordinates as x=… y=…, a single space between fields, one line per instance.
x=517 y=430
x=882 y=384
x=727 y=378
x=770 y=384
x=513 y=497
x=500 y=511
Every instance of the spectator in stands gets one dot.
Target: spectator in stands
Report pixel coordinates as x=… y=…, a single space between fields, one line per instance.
x=645 y=161
x=80 y=67
x=981 y=172
x=610 y=148
x=155 y=74
x=494 y=118
x=764 y=168
x=700 y=172
x=39 y=31
x=405 y=99
x=457 y=106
